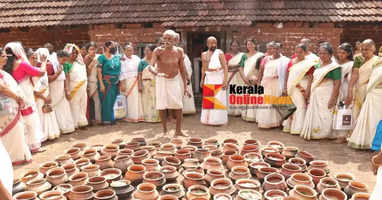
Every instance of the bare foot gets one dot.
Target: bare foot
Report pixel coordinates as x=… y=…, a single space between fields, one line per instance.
x=180 y=134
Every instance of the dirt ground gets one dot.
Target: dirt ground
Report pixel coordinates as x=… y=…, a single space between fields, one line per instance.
x=340 y=157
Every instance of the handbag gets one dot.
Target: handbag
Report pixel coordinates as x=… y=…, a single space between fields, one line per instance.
x=343 y=117
x=285 y=110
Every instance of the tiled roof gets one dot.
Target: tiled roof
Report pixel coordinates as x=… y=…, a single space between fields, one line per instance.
x=178 y=13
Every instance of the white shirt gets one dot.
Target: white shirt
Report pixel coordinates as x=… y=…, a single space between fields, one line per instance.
x=6 y=169
x=129 y=67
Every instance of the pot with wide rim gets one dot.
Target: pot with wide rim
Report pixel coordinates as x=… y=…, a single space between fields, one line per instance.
x=317 y=174
x=344 y=179
x=168 y=197
x=212 y=163
x=106 y=194
x=222 y=196
x=132 y=145
x=183 y=154
x=146 y=191
x=308 y=157
x=122 y=188
x=327 y=182
x=277 y=145
x=81 y=145
x=274 y=181
x=82 y=162
x=70 y=169
x=18 y=186
x=191 y=163
x=298 y=161
x=30 y=175
x=222 y=185
x=330 y=193
x=217 y=153
x=320 y=164
x=193 y=178
x=196 y=141
x=170 y=173
x=252 y=141
x=239 y=172
x=56 y=176
x=212 y=141
x=119 y=142
x=227 y=154
x=91 y=154
x=171 y=161
x=169 y=147
x=98 y=183
x=210 y=147
x=44 y=167
x=231 y=141
x=122 y=162
x=150 y=149
x=360 y=196
x=27 y=195
x=275 y=159
x=78 y=179
x=173 y=189
x=236 y=160
x=81 y=192
x=92 y=170
x=213 y=174
x=253 y=157
x=290 y=151
x=194 y=170
x=139 y=155
x=111 y=150
x=74 y=152
x=300 y=179
x=355 y=187
x=64 y=189
x=201 y=154
x=52 y=195
x=263 y=171
x=231 y=147
x=268 y=149
x=98 y=147
x=140 y=140
x=104 y=162
x=156 y=178
x=38 y=185
x=125 y=152
x=151 y=164
x=135 y=174
x=250 y=184
x=275 y=194
x=64 y=159
x=249 y=194
x=303 y=192
x=112 y=174
x=178 y=142
x=288 y=169
x=161 y=155
x=249 y=148
x=191 y=148
x=255 y=166
x=198 y=191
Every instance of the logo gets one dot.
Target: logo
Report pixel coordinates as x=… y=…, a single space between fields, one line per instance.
x=209 y=97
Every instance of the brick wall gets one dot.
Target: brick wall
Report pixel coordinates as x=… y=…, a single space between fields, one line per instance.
x=359 y=32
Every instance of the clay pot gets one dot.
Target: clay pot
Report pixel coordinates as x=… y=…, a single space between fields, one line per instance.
x=290 y=198
x=111 y=150
x=196 y=170
x=191 y=163
x=56 y=176
x=64 y=189
x=222 y=196
x=249 y=148
x=151 y=164
x=82 y=162
x=81 y=192
x=213 y=174
x=98 y=147
x=52 y=195
x=122 y=188
x=74 y=152
x=140 y=155
x=277 y=145
x=274 y=181
x=122 y=163
x=174 y=190
x=300 y=179
x=169 y=147
x=171 y=161
x=317 y=174
x=112 y=174
x=217 y=153
x=92 y=170
x=125 y=152
x=104 y=162
x=236 y=160
x=170 y=173
x=135 y=173
x=177 y=142
x=331 y=193
x=231 y=141
x=275 y=159
x=303 y=192
x=64 y=159
x=119 y=142
x=201 y=154
x=252 y=141
x=191 y=148
x=212 y=141
x=30 y=175
x=327 y=182
x=168 y=197
x=360 y=196
x=161 y=155
x=222 y=185
x=81 y=145
x=70 y=169
x=320 y=164
x=253 y=167
x=44 y=167
x=193 y=178
x=227 y=154
x=344 y=179
x=197 y=142
x=156 y=178
x=78 y=179
x=106 y=194
x=132 y=145
x=268 y=149
x=183 y=154
x=212 y=163
x=355 y=187
x=98 y=183
x=38 y=185
x=198 y=191
x=308 y=157
x=263 y=171
x=253 y=157
x=210 y=147
x=28 y=195
x=140 y=140
x=289 y=152
x=231 y=147
x=274 y=194
x=248 y=184
x=18 y=186
x=244 y=194
x=146 y=191
x=239 y=172
x=288 y=169
x=91 y=154
x=298 y=161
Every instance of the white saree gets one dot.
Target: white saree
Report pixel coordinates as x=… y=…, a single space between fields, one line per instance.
x=78 y=94
x=93 y=88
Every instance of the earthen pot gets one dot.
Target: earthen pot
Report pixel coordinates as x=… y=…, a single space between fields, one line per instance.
x=78 y=179
x=222 y=185
x=122 y=188
x=212 y=141
x=210 y=147
x=288 y=169
x=112 y=174
x=170 y=173
x=194 y=170
x=308 y=157
x=197 y=142
x=275 y=159
x=81 y=145
x=290 y=152
x=290 y=198
x=191 y=163
x=135 y=173
x=253 y=157
x=111 y=150
x=320 y=164
x=119 y=142
x=217 y=153
x=253 y=194
x=44 y=167
x=146 y=191
x=171 y=161
x=330 y=193
x=27 y=195
x=122 y=162
x=231 y=141
x=156 y=178
x=303 y=192
x=151 y=164
x=82 y=162
x=173 y=189
x=317 y=174
x=140 y=140
x=169 y=147
x=132 y=145
x=52 y=195
x=161 y=155
x=274 y=181
x=178 y=142
x=300 y=179
x=236 y=160
x=98 y=183
x=191 y=148
x=30 y=175
x=140 y=155
x=201 y=154
x=92 y=170
x=360 y=196
x=198 y=191
x=263 y=171
x=253 y=167
x=275 y=194
x=231 y=147
x=150 y=149
x=74 y=152
x=125 y=152
x=81 y=192
x=249 y=148
x=277 y=145
x=56 y=176
x=248 y=184
x=91 y=154
x=252 y=141
x=327 y=182
x=212 y=163
x=106 y=194
x=227 y=154
x=355 y=187
x=213 y=174
x=64 y=189
x=64 y=159
x=98 y=147
x=168 y=197
x=344 y=179
x=18 y=186
x=38 y=185
x=222 y=196
x=193 y=178
x=239 y=172
x=105 y=162
x=183 y=154
x=268 y=149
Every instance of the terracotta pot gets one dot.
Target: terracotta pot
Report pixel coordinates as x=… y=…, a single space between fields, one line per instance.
x=274 y=181
x=300 y=179
x=146 y=191
x=78 y=179
x=92 y=170
x=198 y=191
x=106 y=194
x=198 y=142
x=161 y=155
x=174 y=190
x=248 y=184
x=201 y=154
x=191 y=148
x=81 y=145
x=320 y=164
x=64 y=159
x=44 y=167
x=249 y=148
x=82 y=162
x=344 y=179
x=98 y=147
x=132 y=145
x=288 y=169
x=112 y=174
x=222 y=185
x=212 y=141
x=253 y=157
x=298 y=161
x=171 y=161
x=253 y=167
x=317 y=174
x=252 y=141
x=140 y=140
x=213 y=174
x=118 y=141
x=28 y=195
x=277 y=145
x=64 y=189
x=56 y=176
x=222 y=196
x=217 y=153
x=274 y=194
x=231 y=141
x=303 y=192
x=239 y=172
x=18 y=186
x=227 y=154
x=74 y=152
x=212 y=163
x=70 y=169
x=193 y=178
x=125 y=152
x=210 y=147
x=151 y=164
x=275 y=159
x=268 y=149
x=183 y=154
x=38 y=185
x=355 y=187
x=305 y=155
x=135 y=173
x=236 y=160
x=290 y=152
x=327 y=182
x=91 y=154
x=52 y=195
x=170 y=173
x=231 y=147
x=140 y=155
x=169 y=147
x=195 y=170
x=263 y=171
x=168 y=197
x=105 y=162
x=111 y=150
x=30 y=175
x=360 y=196
x=191 y=163
x=246 y=194
x=290 y=198
x=122 y=188
x=81 y=192
x=156 y=178
x=178 y=142
x=98 y=183
x=122 y=163
x=330 y=193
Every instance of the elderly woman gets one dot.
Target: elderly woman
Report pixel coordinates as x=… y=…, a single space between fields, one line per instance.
x=324 y=94
x=12 y=126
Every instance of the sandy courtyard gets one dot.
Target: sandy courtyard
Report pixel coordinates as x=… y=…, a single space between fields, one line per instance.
x=340 y=157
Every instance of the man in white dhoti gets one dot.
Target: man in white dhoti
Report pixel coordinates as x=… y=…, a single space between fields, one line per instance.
x=170 y=74
x=214 y=84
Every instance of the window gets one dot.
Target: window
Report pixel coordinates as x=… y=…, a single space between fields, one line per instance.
x=140 y=48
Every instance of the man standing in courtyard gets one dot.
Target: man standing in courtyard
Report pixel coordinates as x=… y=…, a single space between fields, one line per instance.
x=169 y=74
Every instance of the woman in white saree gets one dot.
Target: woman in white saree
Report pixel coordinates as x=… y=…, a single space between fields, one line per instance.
x=324 y=94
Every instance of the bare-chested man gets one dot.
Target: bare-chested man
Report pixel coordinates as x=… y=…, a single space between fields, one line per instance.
x=170 y=72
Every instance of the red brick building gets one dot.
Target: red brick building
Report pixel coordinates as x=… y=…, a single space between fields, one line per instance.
x=35 y=22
